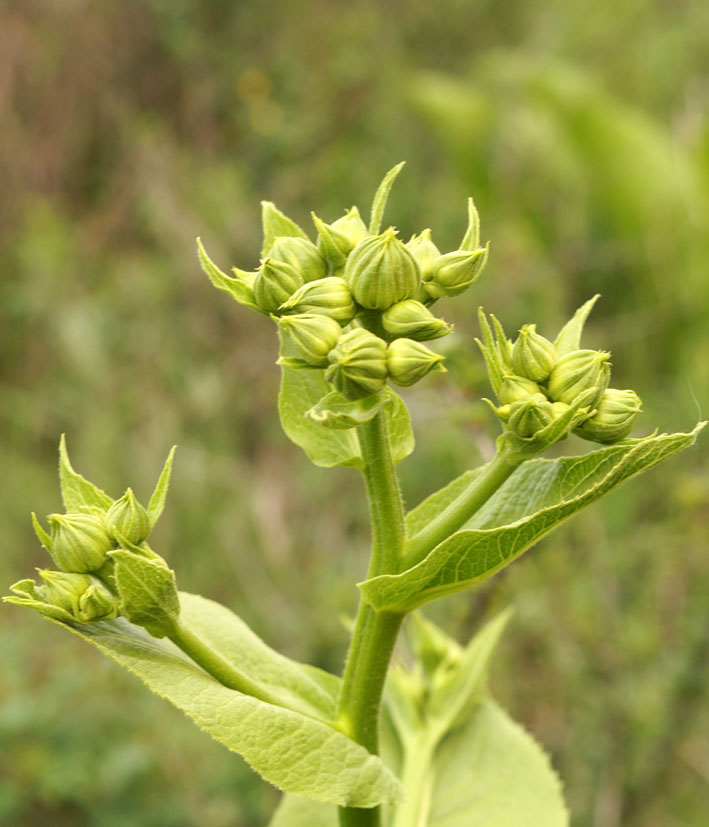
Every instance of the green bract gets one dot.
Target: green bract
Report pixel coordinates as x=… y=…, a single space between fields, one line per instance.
x=358 y=364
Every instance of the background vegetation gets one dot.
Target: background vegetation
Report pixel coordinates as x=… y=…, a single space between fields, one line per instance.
x=128 y=129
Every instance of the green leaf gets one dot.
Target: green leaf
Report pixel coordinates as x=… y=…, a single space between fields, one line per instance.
x=569 y=338
x=276 y=224
x=78 y=493
x=238 y=288
x=491 y=773
x=381 y=197
x=539 y=496
x=292 y=751
x=147 y=591
x=301 y=391
x=294 y=811
x=471 y=239
x=336 y=411
x=157 y=500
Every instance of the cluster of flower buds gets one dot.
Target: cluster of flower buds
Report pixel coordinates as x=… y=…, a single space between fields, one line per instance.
x=547 y=389
x=356 y=301
x=94 y=545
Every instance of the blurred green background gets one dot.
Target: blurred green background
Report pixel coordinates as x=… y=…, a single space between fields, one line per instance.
x=580 y=126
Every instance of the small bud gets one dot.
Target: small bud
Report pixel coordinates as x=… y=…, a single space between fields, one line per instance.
x=614 y=417
x=275 y=282
x=127 y=518
x=533 y=356
x=530 y=415
x=79 y=542
x=515 y=388
x=333 y=244
x=455 y=272
x=351 y=226
x=96 y=604
x=358 y=365
x=380 y=271
x=309 y=336
x=328 y=297
x=579 y=371
x=302 y=255
x=63 y=589
x=408 y=361
x=425 y=252
x=413 y=320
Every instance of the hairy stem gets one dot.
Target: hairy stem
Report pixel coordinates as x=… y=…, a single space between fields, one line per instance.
x=375 y=632
x=457 y=513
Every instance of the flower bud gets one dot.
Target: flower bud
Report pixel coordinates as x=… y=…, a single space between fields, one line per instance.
x=454 y=272
x=380 y=271
x=358 y=365
x=127 y=518
x=351 y=226
x=425 y=252
x=96 y=604
x=309 y=336
x=328 y=297
x=408 y=361
x=79 y=542
x=63 y=589
x=333 y=244
x=533 y=356
x=530 y=415
x=413 y=320
x=579 y=371
x=614 y=417
x=301 y=254
x=275 y=282
x=515 y=388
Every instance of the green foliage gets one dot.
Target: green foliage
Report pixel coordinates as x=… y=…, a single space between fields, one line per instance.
x=312 y=759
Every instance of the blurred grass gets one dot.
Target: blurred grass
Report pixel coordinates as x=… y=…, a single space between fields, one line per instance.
x=581 y=130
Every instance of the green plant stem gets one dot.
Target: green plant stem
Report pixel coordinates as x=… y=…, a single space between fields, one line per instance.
x=462 y=508
x=417 y=778
x=375 y=633
x=217 y=666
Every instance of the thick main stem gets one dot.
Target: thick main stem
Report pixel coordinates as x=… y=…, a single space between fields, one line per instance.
x=375 y=633
x=457 y=513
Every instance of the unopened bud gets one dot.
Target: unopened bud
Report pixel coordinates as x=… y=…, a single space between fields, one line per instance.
x=301 y=254
x=425 y=252
x=515 y=388
x=96 y=604
x=455 y=272
x=380 y=271
x=413 y=320
x=328 y=297
x=275 y=282
x=79 y=542
x=358 y=365
x=579 y=371
x=615 y=414
x=309 y=336
x=351 y=226
x=63 y=589
x=127 y=518
x=408 y=361
x=533 y=356
x=529 y=416
x=333 y=244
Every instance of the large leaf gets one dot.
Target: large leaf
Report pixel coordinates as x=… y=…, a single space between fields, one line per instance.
x=293 y=751
x=491 y=773
x=538 y=497
x=301 y=390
